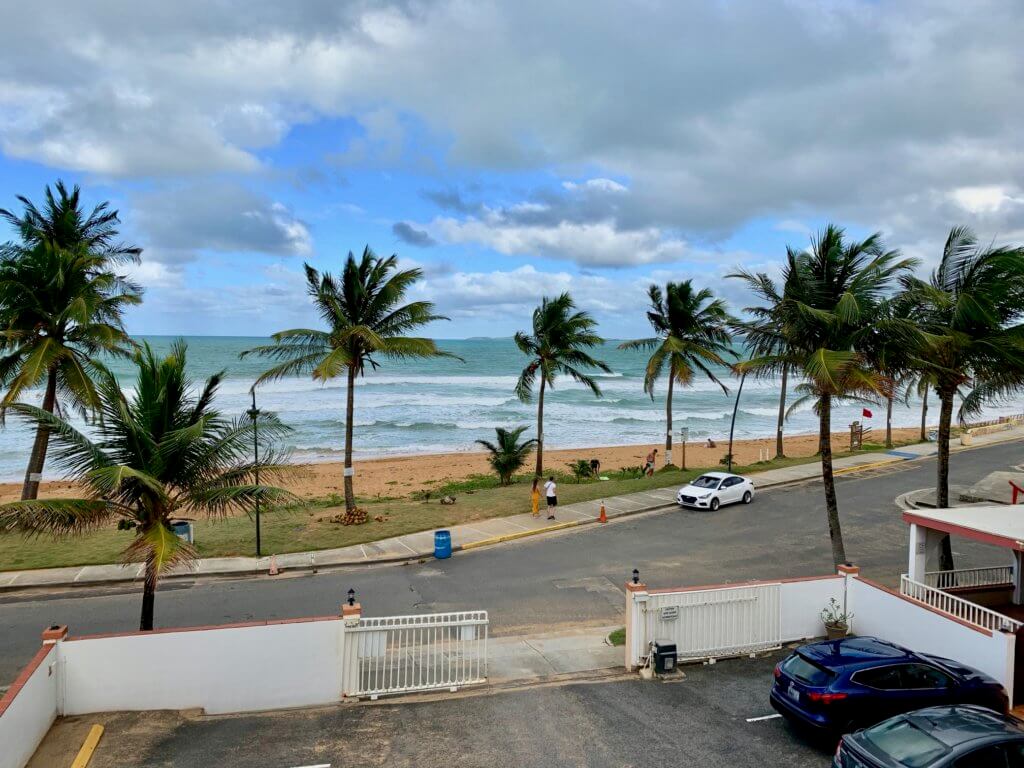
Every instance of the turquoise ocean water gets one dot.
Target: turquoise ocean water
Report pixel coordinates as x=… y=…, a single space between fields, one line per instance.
x=444 y=405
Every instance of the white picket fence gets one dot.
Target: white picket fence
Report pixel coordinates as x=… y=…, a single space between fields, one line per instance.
x=972 y=613
x=401 y=654
x=710 y=623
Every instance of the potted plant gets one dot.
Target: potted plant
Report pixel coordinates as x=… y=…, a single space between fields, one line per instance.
x=836 y=620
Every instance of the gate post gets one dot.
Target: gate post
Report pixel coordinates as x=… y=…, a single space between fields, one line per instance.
x=351 y=613
x=849 y=572
x=636 y=600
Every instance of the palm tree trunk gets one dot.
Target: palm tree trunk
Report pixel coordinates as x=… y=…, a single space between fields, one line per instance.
x=942 y=480
x=888 y=422
x=30 y=490
x=350 y=408
x=540 y=430
x=831 y=503
x=780 y=447
x=668 y=414
x=924 y=417
x=148 y=598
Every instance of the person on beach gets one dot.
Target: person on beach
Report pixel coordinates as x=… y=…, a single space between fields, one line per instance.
x=649 y=466
x=595 y=467
x=535 y=497
x=551 y=491
x=710 y=444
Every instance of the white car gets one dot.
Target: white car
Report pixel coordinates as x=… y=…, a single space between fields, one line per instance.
x=713 y=489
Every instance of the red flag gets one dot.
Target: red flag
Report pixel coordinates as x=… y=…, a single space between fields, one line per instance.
x=866 y=413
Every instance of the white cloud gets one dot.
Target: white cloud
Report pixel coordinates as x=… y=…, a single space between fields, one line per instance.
x=984 y=199
x=598 y=185
x=587 y=243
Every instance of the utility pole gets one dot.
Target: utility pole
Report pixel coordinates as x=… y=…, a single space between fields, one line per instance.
x=254 y=413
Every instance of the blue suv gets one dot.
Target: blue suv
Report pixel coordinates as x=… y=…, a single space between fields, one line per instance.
x=841 y=685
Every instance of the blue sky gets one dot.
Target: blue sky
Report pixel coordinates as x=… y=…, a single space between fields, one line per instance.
x=509 y=150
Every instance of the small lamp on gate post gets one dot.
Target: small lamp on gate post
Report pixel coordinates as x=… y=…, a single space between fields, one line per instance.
x=351 y=597
x=254 y=413
x=636 y=576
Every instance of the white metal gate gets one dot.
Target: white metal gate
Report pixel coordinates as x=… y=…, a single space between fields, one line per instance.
x=399 y=654
x=711 y=623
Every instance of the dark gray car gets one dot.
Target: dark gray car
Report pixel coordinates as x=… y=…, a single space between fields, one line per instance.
x=961 y=736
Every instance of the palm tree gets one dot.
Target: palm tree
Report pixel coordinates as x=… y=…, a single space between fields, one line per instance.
x=770 y=313
x=557 y=345
x=508 y=454
x=889 y=353
x=832 y=293
x=366 y=320
x=160 y=454
x=61 y=305
x=971 y=307
x=691 y=333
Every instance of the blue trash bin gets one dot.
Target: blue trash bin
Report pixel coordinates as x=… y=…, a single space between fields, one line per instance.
x=442 y=544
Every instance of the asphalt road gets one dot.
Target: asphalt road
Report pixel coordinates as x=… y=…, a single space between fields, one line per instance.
x=698 y=721
x=571 y=578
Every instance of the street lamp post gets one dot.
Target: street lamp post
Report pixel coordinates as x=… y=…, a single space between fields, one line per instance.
x=735 y=408
x=254 y=413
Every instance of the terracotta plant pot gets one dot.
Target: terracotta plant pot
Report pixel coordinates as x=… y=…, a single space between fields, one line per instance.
x=836 y=631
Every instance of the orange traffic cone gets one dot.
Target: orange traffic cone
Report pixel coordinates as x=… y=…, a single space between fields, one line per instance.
x=603 y=517
x=273 y=566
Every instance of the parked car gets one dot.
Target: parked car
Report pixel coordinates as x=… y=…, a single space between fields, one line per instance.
x=713 y=489
x=936 y=737
x=841 y=685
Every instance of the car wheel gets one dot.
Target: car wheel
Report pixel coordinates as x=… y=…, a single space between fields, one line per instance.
x=714 y=504
x=748 y=497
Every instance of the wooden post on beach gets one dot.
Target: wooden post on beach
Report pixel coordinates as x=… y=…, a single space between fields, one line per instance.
x=684 y=435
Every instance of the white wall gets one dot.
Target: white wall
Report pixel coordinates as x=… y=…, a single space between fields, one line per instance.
x=891 y=617
x=233 y=669
x=802 y=604
x=29 y=716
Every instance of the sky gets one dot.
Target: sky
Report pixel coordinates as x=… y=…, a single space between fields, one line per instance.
x=511 y=150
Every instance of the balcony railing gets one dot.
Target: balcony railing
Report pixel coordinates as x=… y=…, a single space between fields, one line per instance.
x=970 y=577
x=972 y=613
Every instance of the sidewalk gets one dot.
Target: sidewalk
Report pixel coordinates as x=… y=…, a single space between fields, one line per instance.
x=480 y=533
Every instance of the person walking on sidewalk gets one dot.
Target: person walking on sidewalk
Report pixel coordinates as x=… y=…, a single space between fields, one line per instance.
x=535 y=497
x=551 y=491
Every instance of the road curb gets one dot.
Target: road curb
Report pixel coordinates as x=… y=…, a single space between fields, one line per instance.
x=524 y=534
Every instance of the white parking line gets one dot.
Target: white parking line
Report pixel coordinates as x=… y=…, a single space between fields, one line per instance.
x=763 y=717
x=318 y=765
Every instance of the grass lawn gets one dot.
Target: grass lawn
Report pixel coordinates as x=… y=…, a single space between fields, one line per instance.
x=308 y=526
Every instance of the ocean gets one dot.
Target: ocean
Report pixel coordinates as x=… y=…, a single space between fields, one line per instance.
x=444 y=405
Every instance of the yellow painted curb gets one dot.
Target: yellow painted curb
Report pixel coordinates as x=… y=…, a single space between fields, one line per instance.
x=88 y=747
x=872 y=465
x=519 y=535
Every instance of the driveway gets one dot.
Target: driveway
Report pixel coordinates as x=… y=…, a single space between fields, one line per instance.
x=703 y=720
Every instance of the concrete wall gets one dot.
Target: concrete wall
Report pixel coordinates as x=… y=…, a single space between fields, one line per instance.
x=885 y=614
x=271 y=665
x=28 y=709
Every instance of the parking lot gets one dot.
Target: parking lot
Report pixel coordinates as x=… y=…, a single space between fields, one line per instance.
x=710 y=718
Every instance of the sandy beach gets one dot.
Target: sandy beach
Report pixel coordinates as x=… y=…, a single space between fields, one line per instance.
x=400 y=476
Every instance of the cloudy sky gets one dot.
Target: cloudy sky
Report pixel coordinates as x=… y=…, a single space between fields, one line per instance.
x=510 y=149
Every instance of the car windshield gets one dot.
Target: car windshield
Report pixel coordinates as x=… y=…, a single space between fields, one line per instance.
x=798 y=667
x=905 y=743
x=706 y=481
